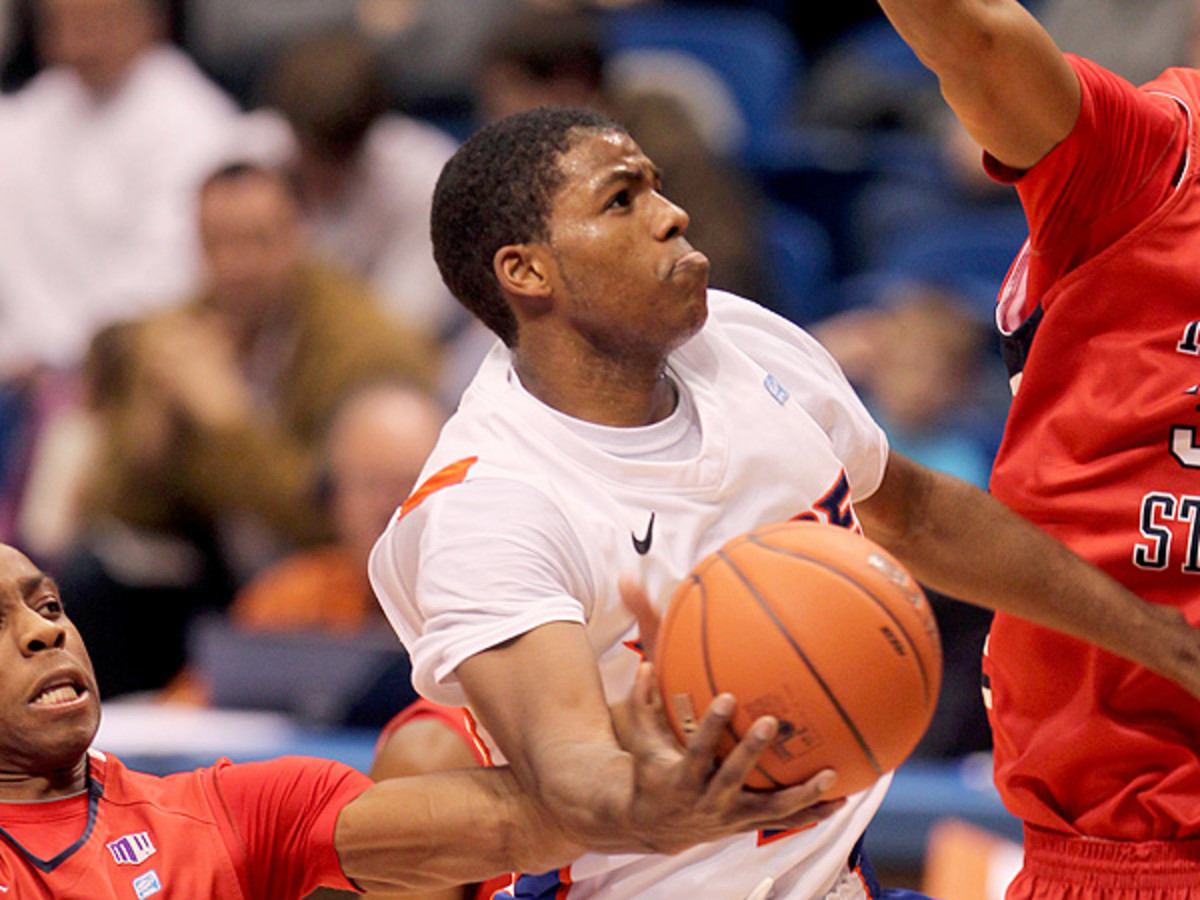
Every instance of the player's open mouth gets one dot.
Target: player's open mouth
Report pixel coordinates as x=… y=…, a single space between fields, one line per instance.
x=59 y=694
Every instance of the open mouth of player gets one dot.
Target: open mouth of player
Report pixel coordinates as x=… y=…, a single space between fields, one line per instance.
x=62 y=692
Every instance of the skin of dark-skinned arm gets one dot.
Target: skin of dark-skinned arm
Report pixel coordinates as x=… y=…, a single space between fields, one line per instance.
x=959 y=540
x=999 y=70
x=420 y=747
x=432 y=831
x=541 y=699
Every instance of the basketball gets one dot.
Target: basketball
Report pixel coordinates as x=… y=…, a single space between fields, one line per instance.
x=814 y=625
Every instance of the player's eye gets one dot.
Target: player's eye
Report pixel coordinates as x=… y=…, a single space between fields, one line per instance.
x=50 y=608
x=620 y=199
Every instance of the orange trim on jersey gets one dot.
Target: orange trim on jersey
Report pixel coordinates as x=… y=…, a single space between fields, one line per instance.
x=636 y=647
x=866 y=888
x=473 y=730
x=453 y=474
x=764 y=839
x=564 y=876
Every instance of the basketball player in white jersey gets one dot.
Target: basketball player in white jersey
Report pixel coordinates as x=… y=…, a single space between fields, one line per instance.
x=628 y=422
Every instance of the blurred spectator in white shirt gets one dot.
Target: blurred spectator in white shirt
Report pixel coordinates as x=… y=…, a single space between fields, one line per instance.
x=100 y=157
x=364 y=173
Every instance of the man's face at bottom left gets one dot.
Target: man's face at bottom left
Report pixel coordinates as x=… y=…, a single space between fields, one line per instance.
x=49 y=702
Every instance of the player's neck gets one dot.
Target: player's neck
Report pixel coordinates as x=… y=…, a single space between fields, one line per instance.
x=23 y=787
x=605 y=392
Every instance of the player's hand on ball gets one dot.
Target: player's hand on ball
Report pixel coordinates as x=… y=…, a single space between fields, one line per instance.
x=681 y=797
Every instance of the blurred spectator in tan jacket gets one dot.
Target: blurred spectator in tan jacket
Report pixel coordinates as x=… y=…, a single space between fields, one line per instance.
x=210 y=421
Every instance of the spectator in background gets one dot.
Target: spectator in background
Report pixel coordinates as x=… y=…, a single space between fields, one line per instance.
x=375 y=449
x=918 y=358
x=364 y=175
x=542 y=58
x=210 y=421
x=100 y=157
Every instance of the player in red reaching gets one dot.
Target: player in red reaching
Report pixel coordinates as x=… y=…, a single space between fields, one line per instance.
x=75 y=824
x=1100 y=316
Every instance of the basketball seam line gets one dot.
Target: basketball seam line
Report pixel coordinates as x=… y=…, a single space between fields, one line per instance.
x=795 y=554
x=712 y=684
x=807 y=662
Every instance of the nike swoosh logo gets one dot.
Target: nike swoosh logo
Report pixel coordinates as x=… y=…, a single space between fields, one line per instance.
x=642 y=545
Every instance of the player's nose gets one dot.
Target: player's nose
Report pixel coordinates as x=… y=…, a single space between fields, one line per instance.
x=672 y=220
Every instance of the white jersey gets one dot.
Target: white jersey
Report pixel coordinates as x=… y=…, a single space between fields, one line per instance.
x=542 y=514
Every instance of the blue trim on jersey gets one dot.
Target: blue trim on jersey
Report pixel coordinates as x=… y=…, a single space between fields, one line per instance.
x=537 y=887
x=859 y=860
x=95 y=791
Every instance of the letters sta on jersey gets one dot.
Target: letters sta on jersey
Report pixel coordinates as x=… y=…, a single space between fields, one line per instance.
x=1159 y=508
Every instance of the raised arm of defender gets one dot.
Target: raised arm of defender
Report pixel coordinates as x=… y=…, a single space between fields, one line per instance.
x=1001 y=73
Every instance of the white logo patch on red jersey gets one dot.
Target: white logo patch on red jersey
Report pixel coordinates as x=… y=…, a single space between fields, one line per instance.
x=132 y=849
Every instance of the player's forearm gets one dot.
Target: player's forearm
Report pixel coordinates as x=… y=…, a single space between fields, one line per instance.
x=961 y=541
x=592 y=791
x=450 y=828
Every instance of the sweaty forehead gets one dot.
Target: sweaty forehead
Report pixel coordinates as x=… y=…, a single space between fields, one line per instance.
x=594 y=156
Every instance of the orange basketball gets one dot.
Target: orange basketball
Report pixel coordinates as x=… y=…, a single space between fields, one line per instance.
x=817 y=626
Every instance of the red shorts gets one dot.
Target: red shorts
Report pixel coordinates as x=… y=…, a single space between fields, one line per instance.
x=1060 y=867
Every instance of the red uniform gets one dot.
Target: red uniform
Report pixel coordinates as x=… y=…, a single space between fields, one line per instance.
x=1102 y=450
x=253 y=831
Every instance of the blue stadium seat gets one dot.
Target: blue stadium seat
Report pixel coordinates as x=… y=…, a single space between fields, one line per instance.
x=798 y=265
x=969 y=251
x=752 y=52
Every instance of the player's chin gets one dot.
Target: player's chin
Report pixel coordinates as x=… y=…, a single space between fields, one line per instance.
x=697 y=308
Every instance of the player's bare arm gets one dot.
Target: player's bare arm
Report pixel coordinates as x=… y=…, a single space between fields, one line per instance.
x=999 y=70
x=429 y=831
x=540 y=697
x=961 y=541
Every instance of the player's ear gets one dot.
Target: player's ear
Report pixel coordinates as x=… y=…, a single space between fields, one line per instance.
x=523 y=272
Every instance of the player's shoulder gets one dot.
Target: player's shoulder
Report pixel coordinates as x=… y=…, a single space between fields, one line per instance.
x=1180 y=83
x=758 y=331
x=733 y=313
x=284 y=779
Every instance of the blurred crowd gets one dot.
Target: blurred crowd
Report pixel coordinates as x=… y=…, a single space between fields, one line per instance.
x=224 y=346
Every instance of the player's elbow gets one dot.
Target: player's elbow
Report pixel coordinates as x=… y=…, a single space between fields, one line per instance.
x=969 y=33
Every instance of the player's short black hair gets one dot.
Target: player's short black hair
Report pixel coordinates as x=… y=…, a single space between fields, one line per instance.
x=497 y=190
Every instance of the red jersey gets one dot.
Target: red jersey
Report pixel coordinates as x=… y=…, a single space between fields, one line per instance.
x=1102 y=450
x=253 y=831
x=454 y=718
